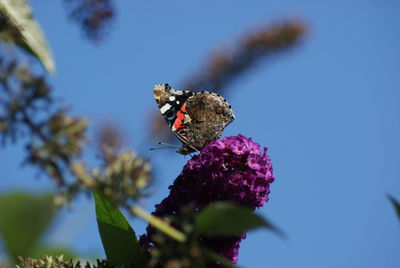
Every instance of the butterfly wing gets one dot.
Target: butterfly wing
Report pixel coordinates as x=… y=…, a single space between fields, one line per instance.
x=207 y=115
x=170 y=102
x=194 y=118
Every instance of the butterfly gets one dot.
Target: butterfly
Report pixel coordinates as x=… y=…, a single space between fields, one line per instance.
x=196 y=118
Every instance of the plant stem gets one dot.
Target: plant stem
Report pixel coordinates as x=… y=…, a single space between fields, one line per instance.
x=158 y=223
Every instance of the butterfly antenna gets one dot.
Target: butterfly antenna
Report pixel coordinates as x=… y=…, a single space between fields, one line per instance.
x=159 y=148
x=168 y=144
x=165 y=146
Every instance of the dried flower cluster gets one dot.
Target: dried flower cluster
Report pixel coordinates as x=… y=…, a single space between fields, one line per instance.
x=124 y=177
x=226 y=65
x=58 y=262
x=232 y=169
x=55 y=140
x=93 y=15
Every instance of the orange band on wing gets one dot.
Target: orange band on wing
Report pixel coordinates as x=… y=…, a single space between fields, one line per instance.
x=183 y=108
x=180 y=117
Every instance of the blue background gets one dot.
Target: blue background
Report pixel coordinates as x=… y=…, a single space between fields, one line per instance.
x=328 y=111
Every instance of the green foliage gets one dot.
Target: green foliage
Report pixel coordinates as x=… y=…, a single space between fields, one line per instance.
x=118 y=237
x=23 y=220
x=396 y=205
x=223 y=218
x=21 y=28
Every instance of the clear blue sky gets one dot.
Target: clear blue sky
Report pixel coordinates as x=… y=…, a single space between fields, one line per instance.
x=328 y=111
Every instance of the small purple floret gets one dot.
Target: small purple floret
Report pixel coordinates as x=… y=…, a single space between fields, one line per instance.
x=231 y=169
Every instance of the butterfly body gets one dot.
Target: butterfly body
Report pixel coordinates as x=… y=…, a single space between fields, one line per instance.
x=196 y=118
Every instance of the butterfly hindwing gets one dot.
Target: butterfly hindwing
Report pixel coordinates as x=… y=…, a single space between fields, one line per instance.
x=195 y=118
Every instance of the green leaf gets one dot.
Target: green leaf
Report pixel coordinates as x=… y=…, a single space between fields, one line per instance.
x=23 y=220
x=118 y=238
x=18 y=15
x=223 y=218
x=396 y=205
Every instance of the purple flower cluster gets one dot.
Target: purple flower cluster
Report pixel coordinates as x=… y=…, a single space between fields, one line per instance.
x=231 y=169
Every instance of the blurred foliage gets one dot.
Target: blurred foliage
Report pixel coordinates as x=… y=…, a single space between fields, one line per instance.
x=119 y=238
x=23 y=222
x=54 y=141
x=109 y=136
x=57 y=261
x=193 y=252
x=94 y=16
x=395 y=204
x=27 y=109
x=224 y=218
x=123 y=177
x=17 y=25
x=228 y=64
x=220 y=223
x=41 y=251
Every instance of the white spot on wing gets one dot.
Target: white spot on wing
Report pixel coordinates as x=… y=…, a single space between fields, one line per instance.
x=177 y=102
x=165 y=108
x=177 y=92
x=172 y=98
